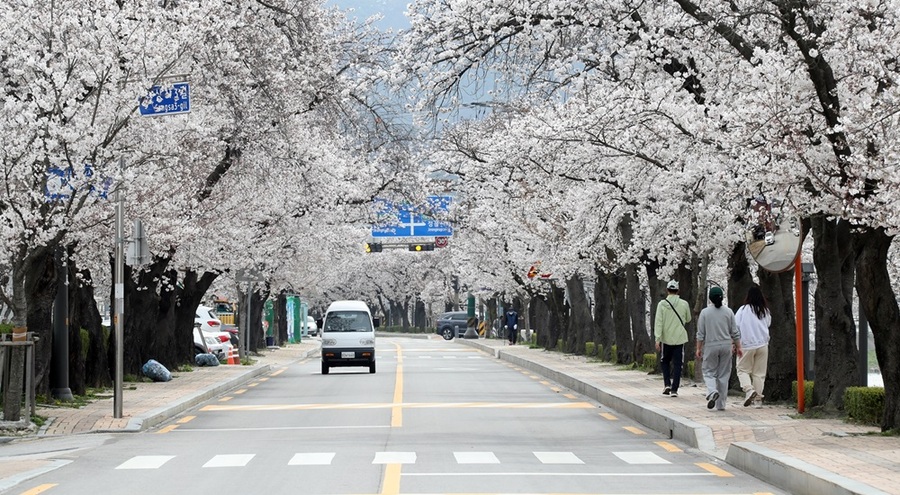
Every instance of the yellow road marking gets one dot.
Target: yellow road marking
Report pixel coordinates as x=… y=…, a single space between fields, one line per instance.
x=570 y=396
x=263 y=378
x=534 y=377
x=225 y=399
x=609 y=416
x=391 y=484
x=278 y=372
x=715 y=470
x=40 y=489
x=545 y=382
x=556 y=389
x=239 y=392
x=397 y=406
x=253 y=384
x=185 y=419
x=670 y=447
x=167 y=429
x=635 y=430
x=408 y=405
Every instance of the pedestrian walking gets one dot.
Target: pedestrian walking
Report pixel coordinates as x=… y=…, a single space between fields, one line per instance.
x=753 y=320
x=512 y=325
x=717 y=338
x=672 y=315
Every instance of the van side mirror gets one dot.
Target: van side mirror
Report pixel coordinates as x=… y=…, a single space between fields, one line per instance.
x=376 y=322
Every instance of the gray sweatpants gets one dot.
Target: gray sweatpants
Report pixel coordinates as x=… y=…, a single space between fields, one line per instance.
x=717 y=370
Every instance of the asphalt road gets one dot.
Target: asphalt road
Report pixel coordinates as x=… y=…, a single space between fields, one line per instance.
x=436 y=418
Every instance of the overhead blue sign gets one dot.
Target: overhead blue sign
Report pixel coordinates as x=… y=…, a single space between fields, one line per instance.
x=166 y=100
x=404 y=220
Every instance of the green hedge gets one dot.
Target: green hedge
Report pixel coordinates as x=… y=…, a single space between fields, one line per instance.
x=649 y=363
x=5 y=328
x=589 y=348
x=807 y=391
x=864 y=404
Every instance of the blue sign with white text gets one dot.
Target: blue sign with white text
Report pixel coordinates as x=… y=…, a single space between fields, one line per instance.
x=403 y=220
x=167 y=100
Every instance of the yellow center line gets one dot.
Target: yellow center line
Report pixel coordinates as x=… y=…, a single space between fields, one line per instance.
x=225 y=399
x=185 y=419
x=715 y=470
x=570 y=396
x=397 y=406
x=167 y=429
x=239 y=392
x=670 y=447
x=391 y=484
x=609 y=416
x=635 y=430
x=263 y=378
x=40 y=489
x=253 y=384
x=276 y=373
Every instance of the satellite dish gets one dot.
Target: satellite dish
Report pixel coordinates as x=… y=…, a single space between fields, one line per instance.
x=773 y=238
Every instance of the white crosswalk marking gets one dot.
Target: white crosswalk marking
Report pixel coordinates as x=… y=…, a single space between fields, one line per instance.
x=145 y=462
x=312 y=459
x=476 y=458
x=394 y=458
x=558 y=458
x=229 y=460
x=641 y=458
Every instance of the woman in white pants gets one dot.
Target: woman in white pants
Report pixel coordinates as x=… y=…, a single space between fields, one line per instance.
x=717 y=337
x=753 y=320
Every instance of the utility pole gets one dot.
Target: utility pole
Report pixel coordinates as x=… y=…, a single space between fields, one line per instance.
x=119 y=291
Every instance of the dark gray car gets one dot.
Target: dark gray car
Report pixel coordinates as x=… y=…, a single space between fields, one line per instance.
x=452 y=324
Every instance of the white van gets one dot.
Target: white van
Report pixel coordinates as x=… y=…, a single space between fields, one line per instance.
x=348 y=335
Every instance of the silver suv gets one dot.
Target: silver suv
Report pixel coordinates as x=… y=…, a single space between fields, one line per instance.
x=452 y=324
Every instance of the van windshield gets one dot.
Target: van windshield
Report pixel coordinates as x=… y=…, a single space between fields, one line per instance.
x=348 y=321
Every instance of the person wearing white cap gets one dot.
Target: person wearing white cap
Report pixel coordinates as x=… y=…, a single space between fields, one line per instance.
x=672 y=315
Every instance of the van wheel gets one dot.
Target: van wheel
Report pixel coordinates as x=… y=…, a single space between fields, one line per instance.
x=324 y=368
x=447 y=333
x=372 y=367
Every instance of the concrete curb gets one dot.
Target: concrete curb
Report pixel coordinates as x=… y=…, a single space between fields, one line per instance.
x=783 y=471
x=156 y=416
x=792 y=474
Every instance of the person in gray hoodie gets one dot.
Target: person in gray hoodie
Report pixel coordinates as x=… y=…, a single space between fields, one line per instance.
x=717 y=337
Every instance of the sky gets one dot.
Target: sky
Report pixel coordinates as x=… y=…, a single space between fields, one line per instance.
x=392 y=10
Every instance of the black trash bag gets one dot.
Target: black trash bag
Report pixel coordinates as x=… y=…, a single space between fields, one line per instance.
x=155 y=371
x=206 y=359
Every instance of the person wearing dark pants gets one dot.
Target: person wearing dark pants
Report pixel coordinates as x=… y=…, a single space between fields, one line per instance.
x=512 y=325
x=672 y=314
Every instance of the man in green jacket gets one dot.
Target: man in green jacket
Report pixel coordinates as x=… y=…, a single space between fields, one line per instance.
x=672 y=315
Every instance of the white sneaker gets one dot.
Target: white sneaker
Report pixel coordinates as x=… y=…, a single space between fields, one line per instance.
x=748 y=399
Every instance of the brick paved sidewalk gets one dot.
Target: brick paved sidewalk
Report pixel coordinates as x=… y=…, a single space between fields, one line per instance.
x=842 y=457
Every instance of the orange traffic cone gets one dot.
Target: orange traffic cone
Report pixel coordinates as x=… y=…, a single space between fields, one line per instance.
x=233 y=357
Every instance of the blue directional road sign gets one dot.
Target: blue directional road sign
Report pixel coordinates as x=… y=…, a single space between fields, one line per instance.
x=167 y=100
x=403 y=220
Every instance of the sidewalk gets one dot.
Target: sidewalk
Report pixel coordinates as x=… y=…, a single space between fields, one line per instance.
x=802 y=456
x=144 y=405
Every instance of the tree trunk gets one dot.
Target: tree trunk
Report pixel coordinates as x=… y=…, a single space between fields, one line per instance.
x=581 y=323
x=637 y=310
x=836 y=354
x=540 y=315
x=621 y=319
x=419 y=315
x=256 y=338
x=40 y=290
x=603 y=319
x=83 y=314
x=879 y=303
x=281 y=325
x=778 y=288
